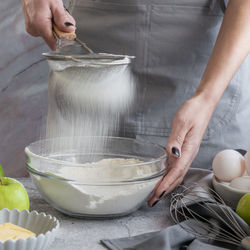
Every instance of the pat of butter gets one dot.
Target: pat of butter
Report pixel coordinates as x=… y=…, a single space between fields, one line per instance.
x=10 y=231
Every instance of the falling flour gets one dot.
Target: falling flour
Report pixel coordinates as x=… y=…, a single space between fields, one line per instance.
x=88 y=100
x=91 y=100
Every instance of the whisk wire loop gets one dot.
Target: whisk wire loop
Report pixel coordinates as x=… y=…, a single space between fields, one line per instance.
x=211 y=219
x=210 y=227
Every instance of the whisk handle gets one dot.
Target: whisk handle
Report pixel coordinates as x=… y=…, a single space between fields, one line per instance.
x=63 y=35
x=245 y=243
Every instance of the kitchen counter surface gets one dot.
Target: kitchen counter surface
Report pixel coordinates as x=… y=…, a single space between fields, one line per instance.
x=84 y=234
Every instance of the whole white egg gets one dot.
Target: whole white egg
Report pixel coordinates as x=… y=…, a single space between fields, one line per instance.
x=241 y=183
x=247 y=159
x=228 y=165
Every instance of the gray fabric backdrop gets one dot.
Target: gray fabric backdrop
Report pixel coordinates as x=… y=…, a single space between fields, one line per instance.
x=23 y=88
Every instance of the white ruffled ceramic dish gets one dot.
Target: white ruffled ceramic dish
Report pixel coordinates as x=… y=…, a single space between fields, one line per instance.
x=44 y=226
x=230 y=195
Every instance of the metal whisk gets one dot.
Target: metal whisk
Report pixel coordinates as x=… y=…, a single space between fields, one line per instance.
x=207 y=217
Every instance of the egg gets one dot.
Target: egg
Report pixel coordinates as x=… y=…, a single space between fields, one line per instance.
x=228 y=165
x=247 y=159
x=241 y=183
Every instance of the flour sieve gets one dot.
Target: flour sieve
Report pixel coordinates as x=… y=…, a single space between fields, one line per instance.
x=88 y=93
x=70 y=47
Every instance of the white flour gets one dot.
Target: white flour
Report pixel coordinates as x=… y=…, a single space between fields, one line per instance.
x=102 y=200
x=90 y=100
x=107 y=170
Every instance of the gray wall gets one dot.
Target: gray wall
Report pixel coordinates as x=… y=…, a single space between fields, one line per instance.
x=23 y=88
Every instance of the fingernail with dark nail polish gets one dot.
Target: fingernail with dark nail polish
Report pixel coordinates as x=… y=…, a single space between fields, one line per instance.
x=66 y=9
x=176 y=151
x=162 y=194
x=68 y=24
x=155 y=203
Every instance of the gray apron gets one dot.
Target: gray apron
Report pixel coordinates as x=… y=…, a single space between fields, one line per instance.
x=172 y=41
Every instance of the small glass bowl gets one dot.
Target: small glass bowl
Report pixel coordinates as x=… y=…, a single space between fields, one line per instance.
x=95 y=195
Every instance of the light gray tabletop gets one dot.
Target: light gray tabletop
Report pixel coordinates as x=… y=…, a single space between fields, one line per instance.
x=81 y=234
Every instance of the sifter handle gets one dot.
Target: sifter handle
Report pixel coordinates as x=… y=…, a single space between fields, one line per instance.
x=60 y=35
x=63 y=35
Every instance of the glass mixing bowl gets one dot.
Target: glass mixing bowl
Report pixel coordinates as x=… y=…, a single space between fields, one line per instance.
x=117 y=187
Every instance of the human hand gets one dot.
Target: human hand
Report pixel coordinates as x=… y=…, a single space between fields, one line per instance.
x=188 y=127
x=39 y=15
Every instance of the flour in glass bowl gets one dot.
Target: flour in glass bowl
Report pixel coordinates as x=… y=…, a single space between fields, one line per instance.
x=101 y=200
x=92 y=100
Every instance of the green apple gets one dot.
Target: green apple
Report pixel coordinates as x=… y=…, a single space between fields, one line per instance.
x=1 y=171
x=243 y=208
x=13 y=194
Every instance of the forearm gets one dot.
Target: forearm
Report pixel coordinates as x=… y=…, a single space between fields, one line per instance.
x=190 y=122
x=230 y=50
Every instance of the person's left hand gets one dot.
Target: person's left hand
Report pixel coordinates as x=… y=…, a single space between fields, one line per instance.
x=188 y=127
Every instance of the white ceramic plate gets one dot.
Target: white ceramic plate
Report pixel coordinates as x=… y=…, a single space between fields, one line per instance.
x=230 y=195
x=44 y=226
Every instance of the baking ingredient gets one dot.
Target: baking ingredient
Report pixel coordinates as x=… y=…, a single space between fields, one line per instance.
x=247 y=159
x=87 y=101
x=228 y=165
x=243 y=208
x=1 y=171
x=111 y=169
x=13 y=194
x=9 y=231
x=90 y=99
x=241 y=183
x=105 y=199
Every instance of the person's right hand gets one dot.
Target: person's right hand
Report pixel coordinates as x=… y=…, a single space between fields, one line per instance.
x=39 y=15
